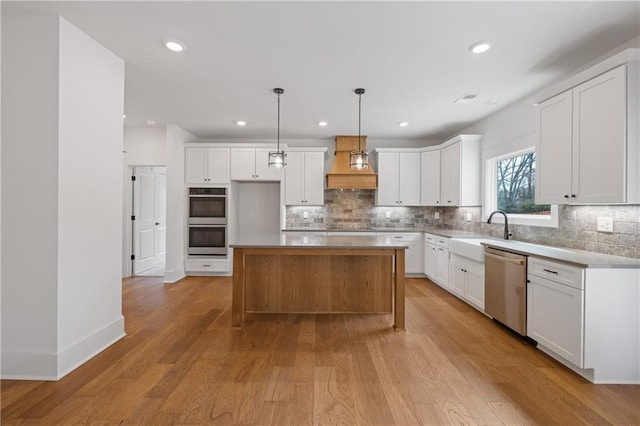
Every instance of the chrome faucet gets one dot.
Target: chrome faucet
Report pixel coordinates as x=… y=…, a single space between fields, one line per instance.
x=506 y=234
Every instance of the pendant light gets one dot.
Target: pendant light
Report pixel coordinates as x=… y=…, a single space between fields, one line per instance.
x=277 y=157
x=359 y=158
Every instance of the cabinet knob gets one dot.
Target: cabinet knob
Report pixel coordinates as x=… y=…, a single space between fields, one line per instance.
x=573 y=195
x=566 y=195
x=438 y=202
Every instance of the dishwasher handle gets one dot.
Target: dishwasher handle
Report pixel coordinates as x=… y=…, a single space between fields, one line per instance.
x=505 y=259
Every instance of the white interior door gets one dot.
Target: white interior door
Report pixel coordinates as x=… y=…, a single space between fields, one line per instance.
x=149 y=226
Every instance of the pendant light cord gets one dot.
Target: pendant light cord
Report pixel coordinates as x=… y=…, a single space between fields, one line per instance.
x=278 y=149
x=359 y=119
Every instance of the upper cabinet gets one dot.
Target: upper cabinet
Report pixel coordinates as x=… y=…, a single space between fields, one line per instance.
x=460 y=172
x=252 y=164
x=588 y=148
x=206 y=165
x=398 y=178
x=304 y=177
x=430 y=178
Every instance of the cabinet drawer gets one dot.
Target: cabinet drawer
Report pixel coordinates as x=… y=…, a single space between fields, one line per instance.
x=206 y=265
x=442 y=242
x=430 y=238
x=559 y=272
x=404 y=237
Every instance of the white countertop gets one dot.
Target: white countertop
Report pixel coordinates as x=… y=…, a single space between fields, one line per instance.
x=585 y=259
x=319 y=241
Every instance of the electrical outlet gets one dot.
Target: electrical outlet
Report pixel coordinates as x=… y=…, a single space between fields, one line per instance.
x=251 y=213
x=436 y=215
x=387 y=214
x=605 y=224
x=305 y=215
x=468 y=216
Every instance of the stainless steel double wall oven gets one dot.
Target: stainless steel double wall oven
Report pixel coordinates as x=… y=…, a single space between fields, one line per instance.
x=207 y=222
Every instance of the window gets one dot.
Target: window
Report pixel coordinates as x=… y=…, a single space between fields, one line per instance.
x=510 y=187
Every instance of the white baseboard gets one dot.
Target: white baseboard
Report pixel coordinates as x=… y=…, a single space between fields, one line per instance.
x=54 y=366
x=83 y=350
x=173 y=276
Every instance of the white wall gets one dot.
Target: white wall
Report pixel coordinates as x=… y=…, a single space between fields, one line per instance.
x=91 y=102
x=61 y=300
x=258 y=208
x=143 y=146
x=29 y=223
x=176 y=202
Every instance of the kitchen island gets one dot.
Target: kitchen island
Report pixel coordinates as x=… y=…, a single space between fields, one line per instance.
x=318 y=274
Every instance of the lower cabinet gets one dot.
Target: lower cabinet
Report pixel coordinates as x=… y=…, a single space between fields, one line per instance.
x=413 y=255
x=442 y=266
x=430 y=260
x=466 y=280
x=215 y=266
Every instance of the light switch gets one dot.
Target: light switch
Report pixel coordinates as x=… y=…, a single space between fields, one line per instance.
x=436 y=215
x=468 y=216
x=387 y=214
x=605 y=224
x=305 y=215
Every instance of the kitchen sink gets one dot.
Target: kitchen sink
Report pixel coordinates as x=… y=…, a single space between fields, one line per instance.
x=471 y=248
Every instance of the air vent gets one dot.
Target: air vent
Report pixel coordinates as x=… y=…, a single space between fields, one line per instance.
x=466 y=98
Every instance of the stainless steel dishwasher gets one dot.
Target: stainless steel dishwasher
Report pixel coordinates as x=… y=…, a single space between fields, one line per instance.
x=505 y=291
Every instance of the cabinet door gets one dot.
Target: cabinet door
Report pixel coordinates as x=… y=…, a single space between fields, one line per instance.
x=294 y=178
x=442 y=266
x=263 y=171
x=553 y=151
x=430 y=178
x=457 y=277
x=413 y=258
x=409 y=179
x=243 y=164
x=555 y=318
x=474 y=290
x=195 y=165
x=218 y=165
x=430 y=261
x=599 y=139
x=450 y=175
x=314 y=178
x=387 y=192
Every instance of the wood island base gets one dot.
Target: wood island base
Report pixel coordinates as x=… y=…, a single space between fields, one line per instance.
x=318 y=280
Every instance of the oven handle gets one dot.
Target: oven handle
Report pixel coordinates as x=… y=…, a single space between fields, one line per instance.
x=195 y=225
x=207 y=196
x=505 y=259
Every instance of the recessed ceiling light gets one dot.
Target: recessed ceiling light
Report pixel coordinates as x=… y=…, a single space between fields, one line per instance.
x=174 y=46
x=403 y=123
x=322 y=123
x=480 y=47
x=124 y=115
x=241 y=123
x=151 y=122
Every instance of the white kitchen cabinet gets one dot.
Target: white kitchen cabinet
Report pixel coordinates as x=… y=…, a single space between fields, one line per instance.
x=430 y=178
x=252 y=164
x=398 y=178
x=466 y=280
x=413 y=255
x=584 y=153
x=442 y=261
x=460 y=171
x=351 y=233
x=204 y=165
x=586 y=318
x=555 y=308
x=430 y=256
x=304 y=178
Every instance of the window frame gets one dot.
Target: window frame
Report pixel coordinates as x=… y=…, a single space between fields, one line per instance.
x=491 y=194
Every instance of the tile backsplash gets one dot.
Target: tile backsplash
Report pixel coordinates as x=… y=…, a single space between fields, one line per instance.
x=576 y=225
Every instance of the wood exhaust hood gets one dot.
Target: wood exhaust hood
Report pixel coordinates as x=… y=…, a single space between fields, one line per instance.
x=341 y=175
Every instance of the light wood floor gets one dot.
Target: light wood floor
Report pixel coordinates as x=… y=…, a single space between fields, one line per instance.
x=181 y=363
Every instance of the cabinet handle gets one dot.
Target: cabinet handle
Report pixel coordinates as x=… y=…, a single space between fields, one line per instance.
x=441 y=249
x=566 y=196
x=550 y=271
x=448 y=201
x=438 y=202
x=573 y=195
x=206 y=266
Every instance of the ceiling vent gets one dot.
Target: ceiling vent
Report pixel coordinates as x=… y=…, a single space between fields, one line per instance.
x=466 y=98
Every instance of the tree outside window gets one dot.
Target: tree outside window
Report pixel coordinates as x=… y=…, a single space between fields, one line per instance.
x=516 y=185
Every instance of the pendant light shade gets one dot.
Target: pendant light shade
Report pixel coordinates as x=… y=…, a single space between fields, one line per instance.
x=359 y=158
x=277 y=158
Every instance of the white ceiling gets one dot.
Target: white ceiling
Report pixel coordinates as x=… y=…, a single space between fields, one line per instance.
x=411 y=57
